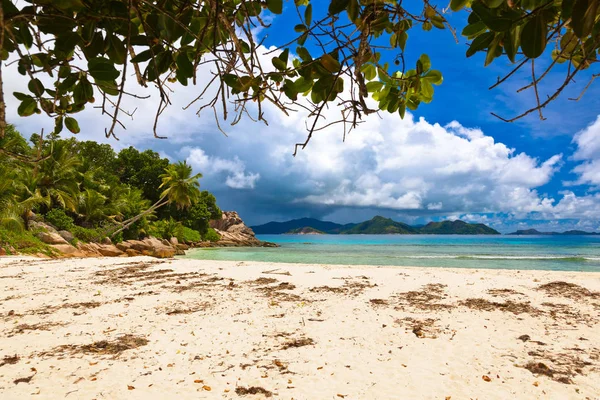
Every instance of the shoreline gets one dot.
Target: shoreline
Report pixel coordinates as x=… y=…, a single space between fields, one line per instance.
x=142 y=327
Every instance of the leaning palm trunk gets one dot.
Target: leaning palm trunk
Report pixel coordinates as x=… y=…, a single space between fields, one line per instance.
x=126 y=224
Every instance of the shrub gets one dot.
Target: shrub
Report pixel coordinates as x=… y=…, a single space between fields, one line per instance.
x=212 y=236
x=166 y=229
x=190 y=235
x=87 y=234
x=59 y=219
x=24 y=242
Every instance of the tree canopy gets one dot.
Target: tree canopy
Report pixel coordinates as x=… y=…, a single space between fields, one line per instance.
x=346 y=53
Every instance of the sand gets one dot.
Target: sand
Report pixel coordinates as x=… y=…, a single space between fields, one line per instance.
x=141 y=328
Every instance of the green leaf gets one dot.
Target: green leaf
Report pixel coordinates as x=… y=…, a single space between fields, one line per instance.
x=58 y=125
x=438 y=22
x=279 y=64
x=102 y=69
x=308 y=15
x=402 y=109
x=511 y=43
x=434 y=76
x=374 y=86
x=533 y=37
x=143 y=56
x=36 y=87
x=490 y=19
x=27 y=107
x=337 y=6
x=370 y=71
x=584 y=16
x=116 y=50
x=184 y=65
x=22 y=96
x=303 y=54
x=456 y=5
x=481 y=42
x=275 y=6
x=330 y=63
x=474 y=29
x=300 y=28
x=72 y=125
x=353 y=9
x=425 y=62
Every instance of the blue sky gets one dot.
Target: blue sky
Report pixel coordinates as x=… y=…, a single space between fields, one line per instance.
x=448 y=159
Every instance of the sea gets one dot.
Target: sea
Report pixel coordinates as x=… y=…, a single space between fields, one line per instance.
x=558 y=253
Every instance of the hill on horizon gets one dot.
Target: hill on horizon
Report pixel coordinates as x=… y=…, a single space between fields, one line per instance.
x=378 y=225
x=524 y=232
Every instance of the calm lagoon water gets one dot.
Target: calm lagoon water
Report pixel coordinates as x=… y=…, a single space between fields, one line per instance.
x=564 y=253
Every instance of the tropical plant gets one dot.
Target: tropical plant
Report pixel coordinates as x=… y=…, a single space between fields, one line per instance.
x=346 y=51
x=59 y=219
x=180 y=188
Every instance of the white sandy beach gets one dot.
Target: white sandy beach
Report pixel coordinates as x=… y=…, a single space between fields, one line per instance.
x=141 y=328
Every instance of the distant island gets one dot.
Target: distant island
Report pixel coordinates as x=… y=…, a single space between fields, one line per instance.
x=376 y=226
x=565 y=233
x=307 y=230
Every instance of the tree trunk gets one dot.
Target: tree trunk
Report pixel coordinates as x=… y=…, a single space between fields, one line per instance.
x=131 y=221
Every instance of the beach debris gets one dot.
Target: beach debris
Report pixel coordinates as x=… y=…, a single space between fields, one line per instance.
x=207 y=388
x=350 y=287
x=129 y=387
x=104 y=347
x=26 y=379
x=425 y=299
x=243 y=391
x=504 y=292
x=524 y=337
x=262 y=281
x=298 y=343
x=508 y=306
x=277 y=271
x=378 y=302
x=568 y=290
x=21 y=328
x=486 y=378
x=9 y=360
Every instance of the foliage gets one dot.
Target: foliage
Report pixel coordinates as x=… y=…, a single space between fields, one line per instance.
x=198 y=215
x=380 y=225
x=78 y=188
x=141 y=170
x=88 y=235
x=347 y=52
x=211 y=235
x=166 y=229
x=23 y=242
x=190 y=235
x=181 y=188
x=59 y=219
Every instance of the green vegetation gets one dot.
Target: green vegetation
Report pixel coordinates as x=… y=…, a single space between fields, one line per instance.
x=345 y=52
x=457 y=228
x=23 y=242
x=89 y=190
x=380 y=225
x=307 y=230
x=376 y=226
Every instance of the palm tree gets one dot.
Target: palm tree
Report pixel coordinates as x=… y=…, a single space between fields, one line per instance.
x=180 y=188
x=92 y=206
x=57 y=177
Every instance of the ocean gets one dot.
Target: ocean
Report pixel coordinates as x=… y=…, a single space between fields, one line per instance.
x=559 y=253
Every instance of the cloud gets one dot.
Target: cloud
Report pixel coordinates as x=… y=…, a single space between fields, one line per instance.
x=387 y=165
x=588 y=152
x=235 y=169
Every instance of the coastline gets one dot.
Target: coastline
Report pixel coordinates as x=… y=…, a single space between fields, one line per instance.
x=141 y=327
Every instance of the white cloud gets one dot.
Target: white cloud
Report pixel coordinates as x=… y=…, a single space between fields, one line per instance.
x=588 y=152
x=235 y=169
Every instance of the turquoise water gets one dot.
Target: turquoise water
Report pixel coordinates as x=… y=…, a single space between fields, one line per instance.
x=564 y=253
